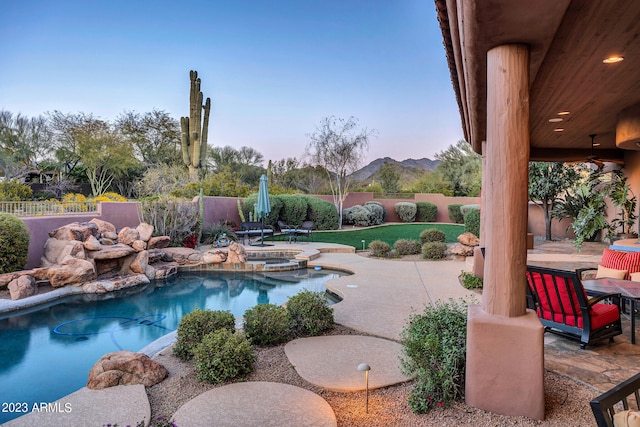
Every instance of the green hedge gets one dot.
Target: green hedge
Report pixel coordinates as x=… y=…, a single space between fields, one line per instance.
x=14 y=243
x=455 y=214
x=426 y=212
x=323 y=214
x=294 y=210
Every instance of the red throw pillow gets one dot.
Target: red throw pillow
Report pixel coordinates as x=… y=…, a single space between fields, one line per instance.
x=621 y=260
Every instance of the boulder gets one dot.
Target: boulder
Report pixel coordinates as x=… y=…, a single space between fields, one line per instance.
x=108 y=242
x=103 y=226
x=75 y=231
x=125 y=368
x=111 y=235
x=158 y=242
x=72 y=271
x=145 y=230
x=56 y=250
x=112 y=252
x=135 y=263
x=237 y=254
x=139 y=245
x=165 y=271
x=158 y=255
x=214 y=257
x=102 y=286
x=92 y=244
x=468 y=239
x=22 y=287
x=461 y=250
x=128 y=235
x=107 y=266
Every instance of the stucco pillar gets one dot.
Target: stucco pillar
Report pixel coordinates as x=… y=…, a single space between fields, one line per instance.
x=505 y=345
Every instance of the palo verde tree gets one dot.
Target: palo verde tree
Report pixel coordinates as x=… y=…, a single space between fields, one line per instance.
x=547 y=183
x=195 y=129
x=461 y=167
x=338 y=146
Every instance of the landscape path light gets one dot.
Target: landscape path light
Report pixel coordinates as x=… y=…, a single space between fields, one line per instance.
x=366 y=368
x=363 y=244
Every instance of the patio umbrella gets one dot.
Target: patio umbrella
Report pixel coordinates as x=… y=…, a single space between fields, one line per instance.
x=264 y=205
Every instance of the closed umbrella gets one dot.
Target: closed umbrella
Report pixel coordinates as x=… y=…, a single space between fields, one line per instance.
x=264 y=205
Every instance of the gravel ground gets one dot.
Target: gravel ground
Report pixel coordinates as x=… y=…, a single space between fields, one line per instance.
x=566 y=401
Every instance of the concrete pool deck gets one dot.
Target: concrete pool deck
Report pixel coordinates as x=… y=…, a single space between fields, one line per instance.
x=377 y=300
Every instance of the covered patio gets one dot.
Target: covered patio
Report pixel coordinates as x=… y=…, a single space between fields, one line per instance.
x=533 y=82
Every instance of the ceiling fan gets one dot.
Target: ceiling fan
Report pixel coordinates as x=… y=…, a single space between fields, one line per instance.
x=594 y=158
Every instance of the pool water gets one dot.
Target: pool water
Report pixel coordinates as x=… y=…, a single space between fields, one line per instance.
x=47 y=352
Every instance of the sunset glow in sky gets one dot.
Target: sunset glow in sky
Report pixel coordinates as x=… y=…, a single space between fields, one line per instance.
x=273 y=69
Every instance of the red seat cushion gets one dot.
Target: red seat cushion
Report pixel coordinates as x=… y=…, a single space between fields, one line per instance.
x=559 y=309
x=621 y=260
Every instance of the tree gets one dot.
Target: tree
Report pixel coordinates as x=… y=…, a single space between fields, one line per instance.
x=245 y=162
x=389 y=178
x=24 y=144
x=547 y=183
x=462 y=168
x=432 y=182
x=155 y=136
x=338 y=146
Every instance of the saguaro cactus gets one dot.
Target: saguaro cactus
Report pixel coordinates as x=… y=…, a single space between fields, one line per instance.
x=195 y=129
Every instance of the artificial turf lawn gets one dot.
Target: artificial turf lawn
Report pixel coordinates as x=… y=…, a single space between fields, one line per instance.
x=387 y=233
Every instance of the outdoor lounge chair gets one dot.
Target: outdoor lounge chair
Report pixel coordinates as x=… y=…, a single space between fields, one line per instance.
x=604 y=406
x=252 y=229
x=565 y=309
x=287 y=229
x=305 y=229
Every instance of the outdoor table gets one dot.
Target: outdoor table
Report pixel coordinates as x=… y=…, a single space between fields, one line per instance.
x=627 y=289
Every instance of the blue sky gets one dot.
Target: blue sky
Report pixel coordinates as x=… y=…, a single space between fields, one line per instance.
x=273 y=69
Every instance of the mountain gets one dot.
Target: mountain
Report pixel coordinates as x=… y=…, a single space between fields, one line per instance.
x=408 y=168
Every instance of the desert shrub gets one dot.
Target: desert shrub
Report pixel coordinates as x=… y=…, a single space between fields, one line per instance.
x=196 y=325
x=267 y=324
x=249 y=204
x=432 y=235
x=162 y=179
x=110 y=196
x=15 y=191
x=426 y=212
x=455 y=214
x=223 y=355
x=358 y=215
x=471 y=281
x=14 y=243
x=434 y=250
x=212 y=232
x=323 y=214
x=434 y=350
x=310 y=315
x=176 y=218
x=381 y=206
x=379 y=248
x=472 y=222
x=407 y=247
x=464 y=209
x=376 y=212
x=406 y=211
x=294 y=209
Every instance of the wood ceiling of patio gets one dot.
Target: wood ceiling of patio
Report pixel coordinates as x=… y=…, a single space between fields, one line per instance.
x=568 y=41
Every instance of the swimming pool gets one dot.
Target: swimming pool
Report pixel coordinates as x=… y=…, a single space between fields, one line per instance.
x=46 y=352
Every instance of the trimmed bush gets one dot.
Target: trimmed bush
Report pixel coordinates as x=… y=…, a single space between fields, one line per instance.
x=310 y=315
x=15 y=191
x=379 y=248
x=470 y=281
x=406 y=211
x=384 y=210
x=426 y=212
x=472 y=222
x=294 y=209
x=434 y=250
x=455 y=215
x=376 y=212
x=464 y=209
x=434 y=347
x=407 y=247
x=267 y=324
x=323 y=214
x=432 y=235
x=14 y=243
x=358 y=215
x=222 y=356
x=195 y=325
x=249 y=204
